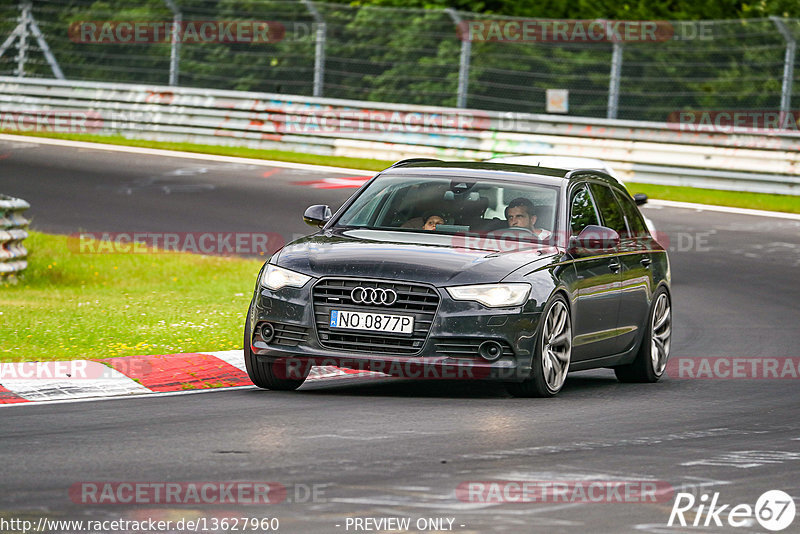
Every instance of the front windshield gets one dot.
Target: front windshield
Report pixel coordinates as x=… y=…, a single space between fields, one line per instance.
x=454 y=205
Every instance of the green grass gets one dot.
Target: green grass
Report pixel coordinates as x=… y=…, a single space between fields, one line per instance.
x=788 y=203
x=239 y=152
x=68 y=305
x=737 y=199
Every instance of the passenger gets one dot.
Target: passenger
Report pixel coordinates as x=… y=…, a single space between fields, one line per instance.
x=431 y=220
x=519 y=214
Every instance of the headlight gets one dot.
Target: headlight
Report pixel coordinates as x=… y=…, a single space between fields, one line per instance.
x=492 y=295
x=275 y=277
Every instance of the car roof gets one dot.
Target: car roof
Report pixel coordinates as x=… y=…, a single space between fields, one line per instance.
x=566 y=162
x=479 y=170
x=544 y=157
x=486 y=170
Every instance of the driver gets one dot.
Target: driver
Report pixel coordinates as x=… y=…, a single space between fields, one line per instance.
x=519 y=214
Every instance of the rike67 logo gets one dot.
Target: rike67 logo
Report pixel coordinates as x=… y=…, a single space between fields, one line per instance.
x=774 y=510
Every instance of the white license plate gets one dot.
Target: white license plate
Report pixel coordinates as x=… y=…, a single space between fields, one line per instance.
x=374 y=322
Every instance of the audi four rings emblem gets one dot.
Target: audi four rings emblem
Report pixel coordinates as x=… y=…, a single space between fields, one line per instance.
x=373 y=295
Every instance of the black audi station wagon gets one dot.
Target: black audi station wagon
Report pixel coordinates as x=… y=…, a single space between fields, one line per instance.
x=467 y=271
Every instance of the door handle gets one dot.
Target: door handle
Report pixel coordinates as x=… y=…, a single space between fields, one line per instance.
x=646 y=262
x=614 y=266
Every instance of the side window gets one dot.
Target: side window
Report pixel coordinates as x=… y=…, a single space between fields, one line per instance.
x=609 y=209
x=582 y=212
x=632 y=215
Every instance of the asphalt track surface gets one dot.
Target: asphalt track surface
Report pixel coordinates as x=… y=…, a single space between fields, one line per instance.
x=398 y=448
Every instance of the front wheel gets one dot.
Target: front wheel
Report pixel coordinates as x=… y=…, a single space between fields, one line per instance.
x=552 y=355
x=263 y=374
x=651 y=360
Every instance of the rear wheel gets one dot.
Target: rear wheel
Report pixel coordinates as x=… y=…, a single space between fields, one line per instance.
x=262 y=373
x=651 y=360
x=552 y=354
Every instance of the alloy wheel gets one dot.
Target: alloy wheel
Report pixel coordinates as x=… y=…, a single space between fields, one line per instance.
x=661 y=332
x=556 y=346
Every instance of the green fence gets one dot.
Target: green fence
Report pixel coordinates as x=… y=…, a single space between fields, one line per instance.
x=414 y=56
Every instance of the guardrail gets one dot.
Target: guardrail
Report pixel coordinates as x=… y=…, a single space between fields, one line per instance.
x=647 y=152
x=12 y=232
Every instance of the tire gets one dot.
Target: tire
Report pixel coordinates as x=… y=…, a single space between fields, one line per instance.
x=651 y=360
x=552 y=355
x=262 y=373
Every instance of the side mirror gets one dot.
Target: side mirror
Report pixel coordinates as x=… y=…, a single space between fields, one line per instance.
x=592 y=240
x=640 y=199
x=317 y=215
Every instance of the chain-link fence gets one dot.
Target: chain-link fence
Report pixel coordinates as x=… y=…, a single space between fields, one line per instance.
x=434 y=57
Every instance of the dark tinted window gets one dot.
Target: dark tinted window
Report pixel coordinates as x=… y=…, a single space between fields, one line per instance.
x=609 y=208
x=632 y=214
x=583 y=212
x=401 y=202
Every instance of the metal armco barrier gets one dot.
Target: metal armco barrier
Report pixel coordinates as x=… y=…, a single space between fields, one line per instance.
x=647 y=152
x=12 y=232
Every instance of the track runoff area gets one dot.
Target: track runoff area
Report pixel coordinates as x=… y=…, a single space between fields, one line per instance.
x=709 y=447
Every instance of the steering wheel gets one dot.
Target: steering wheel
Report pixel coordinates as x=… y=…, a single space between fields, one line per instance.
x=501 y=231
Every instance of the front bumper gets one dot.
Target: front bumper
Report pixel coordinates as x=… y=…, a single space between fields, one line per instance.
x=450 y=350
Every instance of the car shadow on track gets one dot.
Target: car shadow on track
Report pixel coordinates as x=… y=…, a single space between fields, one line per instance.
x=591 y=384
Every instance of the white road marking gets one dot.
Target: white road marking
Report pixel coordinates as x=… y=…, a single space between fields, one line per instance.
x=723 y=209
x=96 y=379
x=747 y=459
x=337 y=436
x=595 y=445
x=125 y=397
x=233 y=357
x=176 y=154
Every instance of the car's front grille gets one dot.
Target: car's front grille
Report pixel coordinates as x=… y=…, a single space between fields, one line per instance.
x=418 y=300
x=465 y=347
x=289 y=334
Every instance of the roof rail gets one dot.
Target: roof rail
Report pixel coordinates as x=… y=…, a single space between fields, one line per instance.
x=408 y=161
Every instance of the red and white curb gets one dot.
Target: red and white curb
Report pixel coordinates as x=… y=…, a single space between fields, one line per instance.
x=130 y=375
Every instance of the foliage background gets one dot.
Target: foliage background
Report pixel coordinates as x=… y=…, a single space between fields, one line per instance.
x=408 y=52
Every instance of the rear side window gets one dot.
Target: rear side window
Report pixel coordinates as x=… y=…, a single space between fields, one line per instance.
x=636 y=223
x=582 y=212
x=610 y=210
